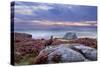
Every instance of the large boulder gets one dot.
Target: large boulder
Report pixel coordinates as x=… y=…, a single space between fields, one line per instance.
x=57 y=54
x=66 y=53
x=70 y=35
x=88 y=52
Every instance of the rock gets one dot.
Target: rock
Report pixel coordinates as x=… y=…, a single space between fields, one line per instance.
x=49 y=42
x=70 y=35
x=57 y=54
x=65 y=54
x=88 y=52
x=24 y=35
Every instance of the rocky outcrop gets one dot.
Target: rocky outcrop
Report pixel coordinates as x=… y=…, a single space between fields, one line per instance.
x=49 y=42
x=70 y=35
x=88 y=52
x=24 y=35
x=66 y=53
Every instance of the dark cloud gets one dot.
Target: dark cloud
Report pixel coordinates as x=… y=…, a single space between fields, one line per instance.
x=28 y=11
x=60 y=12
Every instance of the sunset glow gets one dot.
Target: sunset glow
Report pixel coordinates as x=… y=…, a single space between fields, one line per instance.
x=49 y=23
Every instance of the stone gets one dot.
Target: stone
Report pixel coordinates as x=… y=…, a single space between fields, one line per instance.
x=65 y=54
x=61 y=53
x=24 y=35
x=70 y=35
x=88 y=52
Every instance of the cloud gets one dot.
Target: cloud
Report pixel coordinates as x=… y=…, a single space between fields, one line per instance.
x=25 y=11
x=54 y=23
x=58 y=23
x=92 y=23
x=41 y=7
x=17 y=20
x=45 y=24
x=55 y=12
x=50 y=23
x=30 y=10
x=22 y=9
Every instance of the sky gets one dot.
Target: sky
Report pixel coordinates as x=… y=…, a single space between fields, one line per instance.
x=32 y=15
